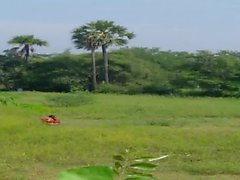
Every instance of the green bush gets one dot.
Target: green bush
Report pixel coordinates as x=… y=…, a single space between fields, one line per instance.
x=160 y=89
x=111 y=88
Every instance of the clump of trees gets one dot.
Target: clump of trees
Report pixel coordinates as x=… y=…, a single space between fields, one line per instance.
x=132 y=71
x=25 y=46
x=126 y=70
x=100 y=34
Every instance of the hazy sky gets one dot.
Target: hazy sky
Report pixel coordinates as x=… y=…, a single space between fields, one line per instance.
x=182 y=25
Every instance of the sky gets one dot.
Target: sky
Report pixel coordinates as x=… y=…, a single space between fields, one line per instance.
x=177 y=25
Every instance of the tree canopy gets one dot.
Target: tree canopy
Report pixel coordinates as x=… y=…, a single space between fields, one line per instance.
x=26 y=43
x=108 y=34
x=27 y=39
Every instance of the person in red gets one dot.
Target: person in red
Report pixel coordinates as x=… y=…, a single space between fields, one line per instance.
x=51 y=119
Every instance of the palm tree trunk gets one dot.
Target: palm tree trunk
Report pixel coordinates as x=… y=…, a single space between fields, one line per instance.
x=94 y=80
x=105 y=57
x=27 y=52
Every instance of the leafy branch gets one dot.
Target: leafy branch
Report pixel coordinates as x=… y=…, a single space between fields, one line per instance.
x=125 y=167
x=128 y=168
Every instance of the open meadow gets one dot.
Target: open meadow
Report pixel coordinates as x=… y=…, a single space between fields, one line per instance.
x=200 y=135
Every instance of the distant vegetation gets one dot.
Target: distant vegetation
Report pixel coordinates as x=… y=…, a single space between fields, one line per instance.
x=25 y=46
x=122 y=71
x=131 y=71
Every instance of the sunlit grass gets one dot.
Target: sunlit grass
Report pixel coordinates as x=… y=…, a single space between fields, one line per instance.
x=201 y=135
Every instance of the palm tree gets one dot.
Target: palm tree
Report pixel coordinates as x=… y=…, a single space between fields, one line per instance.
x=26 y=43
x=85 y=37
x=110 y=34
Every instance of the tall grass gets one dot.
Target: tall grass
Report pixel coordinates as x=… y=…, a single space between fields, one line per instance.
x=201 y=135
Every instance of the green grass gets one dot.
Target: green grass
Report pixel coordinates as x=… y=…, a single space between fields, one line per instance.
x=201 y=135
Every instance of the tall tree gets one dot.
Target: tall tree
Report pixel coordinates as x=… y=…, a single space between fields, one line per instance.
x=86 y=37
x=110 y=34
x=26 y=43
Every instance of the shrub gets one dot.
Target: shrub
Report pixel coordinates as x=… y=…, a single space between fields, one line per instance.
x=160 y=89
x=111 y=88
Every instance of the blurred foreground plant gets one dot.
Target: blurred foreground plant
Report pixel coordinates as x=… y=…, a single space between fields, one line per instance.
x=125 y=167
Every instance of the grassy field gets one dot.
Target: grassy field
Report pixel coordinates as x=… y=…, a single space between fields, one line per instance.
x=200 y=135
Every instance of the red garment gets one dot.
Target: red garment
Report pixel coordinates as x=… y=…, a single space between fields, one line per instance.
x=50 y=120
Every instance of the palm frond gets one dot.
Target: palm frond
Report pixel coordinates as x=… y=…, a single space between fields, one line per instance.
x=27 y=39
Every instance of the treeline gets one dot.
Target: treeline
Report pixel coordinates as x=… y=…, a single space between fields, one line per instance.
x=131 y=71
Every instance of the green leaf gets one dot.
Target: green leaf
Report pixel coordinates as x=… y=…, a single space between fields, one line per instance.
x=118 y=165
x=143 y=166
x=138 y=174
x=150 y=159
x=88 y=173
x=142 y=159
x=118 y=158
x=158 y=158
